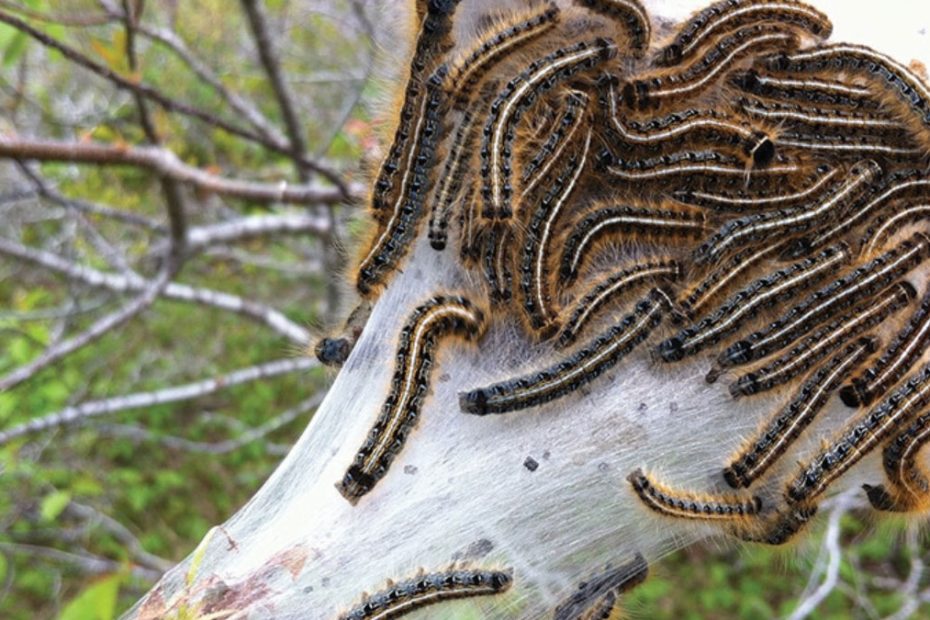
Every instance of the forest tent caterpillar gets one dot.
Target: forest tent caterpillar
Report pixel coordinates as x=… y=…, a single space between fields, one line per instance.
x=399 y=599
x=863 y=282
x=580 y=368
x=909 y=345
x=860 y=437
x=497 y=263
x=551 y=151
x=887 y=225
x=743 y=201
x=909 y=487
x=608 y=289
x=625 y=222
x=858 y=146
x=520 y=29
x=703 y=507
x=534 y=276
x=710 y=285
x=391 y=243
x=631 y=14
x=433 y=40
x=690 y=163
x=510 y=104
x=450 y=182
x=823 y=341
x=727 y=15
x=653 y=91
x=762 y=293
x=902 y=184
x=758 y=226
x=902 y=87
x=773 y=440
x=683 y=125
x=597 y=596
x=440 y=316
x=806 y=92
x=836 y=121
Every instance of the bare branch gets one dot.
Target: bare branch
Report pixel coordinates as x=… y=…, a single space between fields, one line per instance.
x=269 y=60
x=169 y=104
x=121 y=533
x=165 y=162
x=288 y=268
x=910 y=589
x=831 y=545
x=257 y=226
x=239 y=104
x=174 y=200
x=85 y=562
x=220 y=447
x=44 y=189
x=74 y=19
x=173 y=290
x=96 y=331
x=81 y=413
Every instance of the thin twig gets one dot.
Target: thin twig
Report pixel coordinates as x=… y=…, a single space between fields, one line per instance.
x=75 y=19
x=174 y=199
x=910 y=588
x=165 y=162
x=45 y=189
x=173 y=290
x=121 y=533
x=220 y=447
x=81 y=413
x=96 y=331
x=242 y=106
x=150 y=92
x=831 y=543
x=85 y=562
x=269 y=60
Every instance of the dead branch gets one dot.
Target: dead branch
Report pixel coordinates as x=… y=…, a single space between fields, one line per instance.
x=96 y=331
x=81 y=413
x=149 y=92
x=121 y=533
x=84 y=562
x=164 y=162
x=220 y=447
x=269 y=60
x=175 y=291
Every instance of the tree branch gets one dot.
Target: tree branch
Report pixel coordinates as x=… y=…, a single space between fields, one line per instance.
x=174 y=291
x=81 y=413
x=121 y=533
x=257 y=226
x=165 y=162
x=220 y=447
x=85 y=562
x=269 y=60
x=831 y=544
x=174 y=200
x=44 y=189
x=169 y=104
x=240 y=105
x=97 y=330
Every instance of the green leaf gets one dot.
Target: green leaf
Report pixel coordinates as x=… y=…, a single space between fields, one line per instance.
x=53 y=504
x=96 y=602
x=14 y=50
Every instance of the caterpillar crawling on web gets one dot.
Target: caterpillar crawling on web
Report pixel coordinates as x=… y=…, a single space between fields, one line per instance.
x=631 y=284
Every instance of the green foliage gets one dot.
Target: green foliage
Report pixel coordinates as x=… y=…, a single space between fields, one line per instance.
x=96 y=602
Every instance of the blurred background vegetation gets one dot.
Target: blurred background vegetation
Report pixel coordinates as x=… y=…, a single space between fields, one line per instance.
x=153 y=324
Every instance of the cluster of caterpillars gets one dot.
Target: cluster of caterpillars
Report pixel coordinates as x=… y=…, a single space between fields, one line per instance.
x=737 y=191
